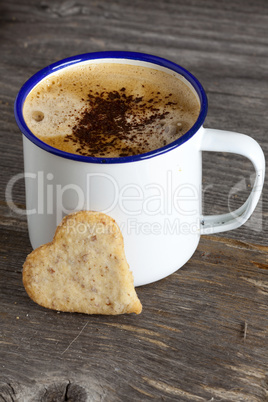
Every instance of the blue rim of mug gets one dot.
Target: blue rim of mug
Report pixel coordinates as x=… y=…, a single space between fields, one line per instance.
x=52 y=68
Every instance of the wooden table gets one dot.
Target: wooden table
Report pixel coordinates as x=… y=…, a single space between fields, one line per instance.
x=202 y=335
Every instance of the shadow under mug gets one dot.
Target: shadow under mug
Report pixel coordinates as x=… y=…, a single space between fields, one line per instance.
x=156 y=197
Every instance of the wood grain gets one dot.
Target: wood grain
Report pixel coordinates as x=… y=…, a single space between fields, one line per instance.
x=202 y=335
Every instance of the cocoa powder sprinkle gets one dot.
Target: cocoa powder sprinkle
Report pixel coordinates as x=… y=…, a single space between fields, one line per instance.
x=109 y=118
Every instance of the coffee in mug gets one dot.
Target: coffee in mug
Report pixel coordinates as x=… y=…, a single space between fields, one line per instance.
x=110 y=109
x=132 y=153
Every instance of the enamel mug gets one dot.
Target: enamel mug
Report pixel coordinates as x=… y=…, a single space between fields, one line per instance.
x=155 y=198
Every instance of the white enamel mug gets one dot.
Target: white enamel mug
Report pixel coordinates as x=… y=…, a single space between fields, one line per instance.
x=155 y=197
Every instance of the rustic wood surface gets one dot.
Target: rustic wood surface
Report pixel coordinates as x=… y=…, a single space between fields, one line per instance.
x=202 y=335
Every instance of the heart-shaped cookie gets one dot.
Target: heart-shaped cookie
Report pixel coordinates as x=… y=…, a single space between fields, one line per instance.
x=84 y=268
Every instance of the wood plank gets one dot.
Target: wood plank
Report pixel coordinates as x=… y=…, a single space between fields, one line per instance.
x=201 y=334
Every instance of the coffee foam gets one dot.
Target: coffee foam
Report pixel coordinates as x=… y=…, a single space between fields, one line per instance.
x=162 y=109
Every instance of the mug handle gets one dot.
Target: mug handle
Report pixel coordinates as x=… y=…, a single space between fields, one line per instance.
x=226 y=141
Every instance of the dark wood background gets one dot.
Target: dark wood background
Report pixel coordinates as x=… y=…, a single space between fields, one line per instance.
x=202 y=335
